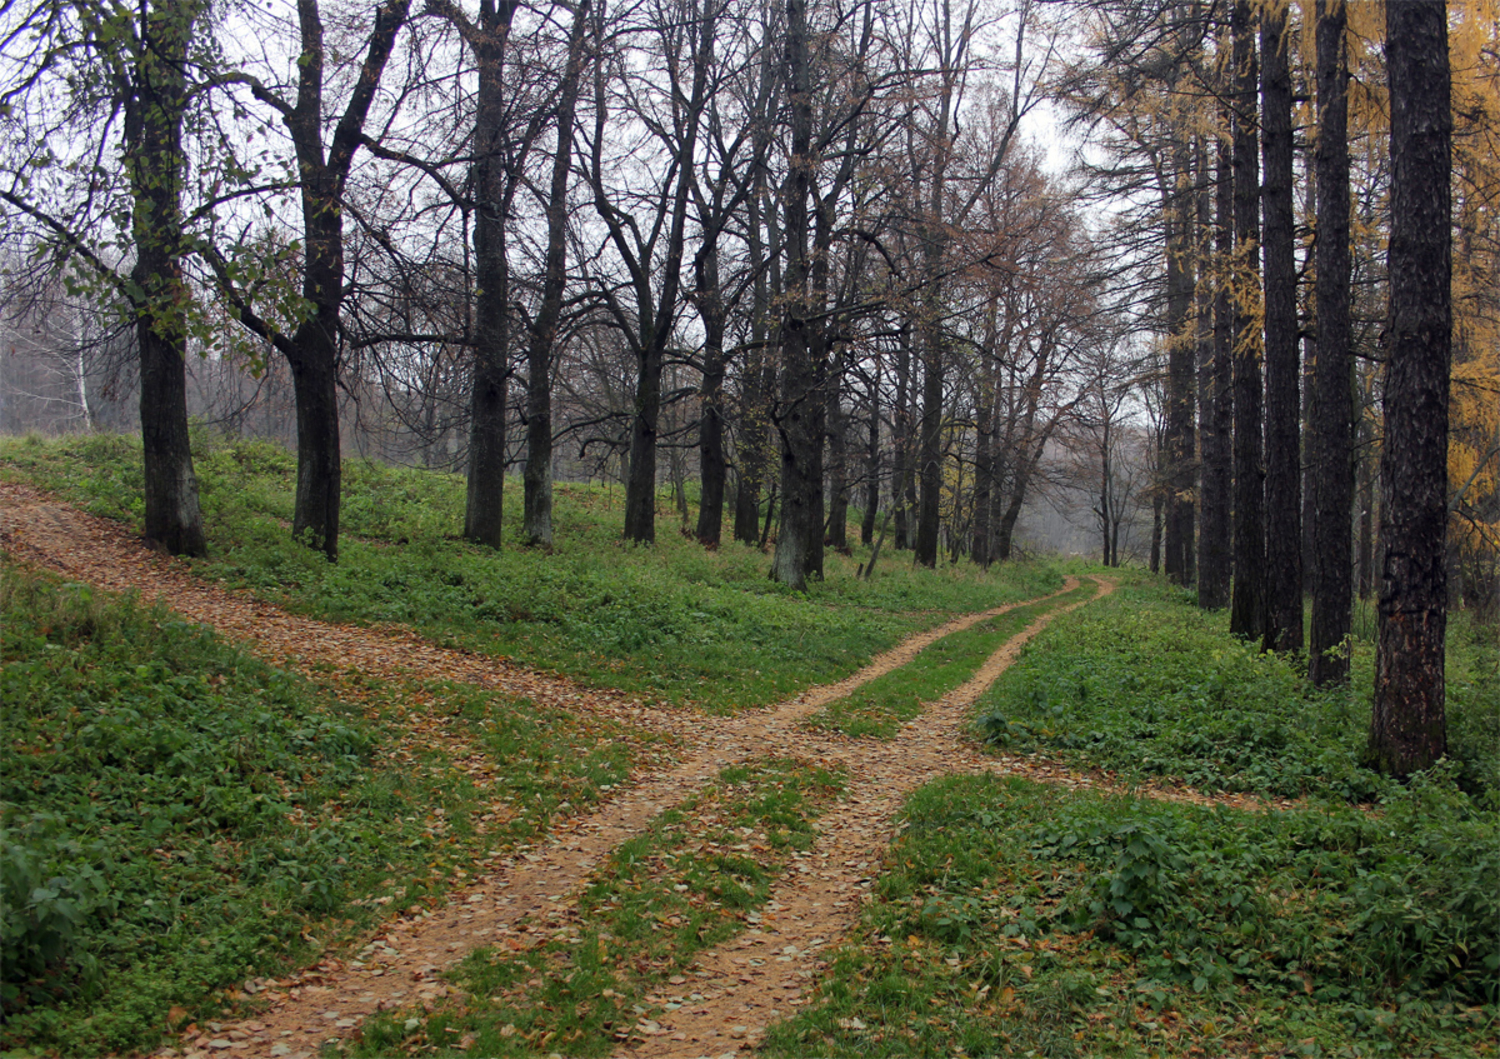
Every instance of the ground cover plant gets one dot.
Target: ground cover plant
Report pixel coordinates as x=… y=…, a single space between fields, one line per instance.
x=1024 y=919
x=176 y=816
x=672 y=622
x=1145 y=684
x=1017 y=918
x=880 y=707
x=697 y=876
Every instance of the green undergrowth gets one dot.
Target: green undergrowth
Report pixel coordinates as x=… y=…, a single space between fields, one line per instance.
x=176 y=816
x=545 y=762
x=671 y=622
x=701 y=873
x=1145 y=684
x=880 y=707
x=1014 y=918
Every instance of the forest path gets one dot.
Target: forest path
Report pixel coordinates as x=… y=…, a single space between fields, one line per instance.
x=535 y=885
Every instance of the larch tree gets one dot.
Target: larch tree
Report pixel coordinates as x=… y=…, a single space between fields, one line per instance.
x=1408 y=726
x=1331 y=443
x=1247 y=600
x=1283 y=482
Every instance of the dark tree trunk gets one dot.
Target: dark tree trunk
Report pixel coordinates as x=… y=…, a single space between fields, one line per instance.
x=1214 y=555
x=655 y=286
x=537 y=483
x=872 y=467
x=314 y=368
x=154 y=163
x=1247 y=606
x=312 y=351
x=901 y=474
x=1154 y=564
x=1333 y=396
x=801 y=418
x=640 y=482
x=1367 y=472
x=837 y=536
x=486 y=472
x=930 y=452
x=751 y=450
x=1175 y=509
x=711 y=465
x=984 y=474
x=1408 y=727
x=756 y=386
x=1283 y=495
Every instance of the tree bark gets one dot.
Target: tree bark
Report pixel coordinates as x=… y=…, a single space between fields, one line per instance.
x=484 y=505
x=800 y=423
x=1408 y=727
x=154 y=162
x=711 y=466
x=930 y=451
x=872 y=466
x=1283 y=490
x=1247 y=606
x=312 y=350
x=1333 y=396
x=537 y=483
x=1173 y=513
x=1214 y=553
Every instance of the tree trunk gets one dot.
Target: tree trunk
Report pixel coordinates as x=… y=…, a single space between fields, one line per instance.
x=838 y=476
x=537 y=482
x=711 y=466
x=984 y=473
x=802 y=398
x=312 y=351
x=901 y=476
x=1333 y=395
x=486 y=472
x=154 y=162
x=1214 y=555
x=1247 y=606
x=1283 y=495
x=315 y=518
x=872 y=466
x=930 y=451
x=1172 y=514
x=1408 y=728
x=640 y=483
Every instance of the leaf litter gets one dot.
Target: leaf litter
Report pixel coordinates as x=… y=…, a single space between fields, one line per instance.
x=521 y=897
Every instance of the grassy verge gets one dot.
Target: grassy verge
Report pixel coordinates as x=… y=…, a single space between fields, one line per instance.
x=178 y=816
x=696 y=877
x=671 y=622
x=1145 y=684
x=1019 y=919
x=880 y=707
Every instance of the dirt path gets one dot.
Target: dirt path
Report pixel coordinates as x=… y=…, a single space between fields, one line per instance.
x=401 y=965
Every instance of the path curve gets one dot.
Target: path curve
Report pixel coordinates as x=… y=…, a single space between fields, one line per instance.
x=403 y=963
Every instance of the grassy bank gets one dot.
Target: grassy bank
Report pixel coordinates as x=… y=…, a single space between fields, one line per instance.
x=672 y=622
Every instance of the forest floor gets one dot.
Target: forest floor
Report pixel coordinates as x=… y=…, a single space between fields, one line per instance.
x=522 y=897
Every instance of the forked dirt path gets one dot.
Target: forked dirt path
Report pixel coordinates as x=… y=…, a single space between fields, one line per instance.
x=503 y=904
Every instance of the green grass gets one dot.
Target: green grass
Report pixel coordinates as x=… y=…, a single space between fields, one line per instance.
x=696 y=877
x=880 y=707
x=672 y=622
x=1145 y=684
x=176 y=816
x=1021 y=919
